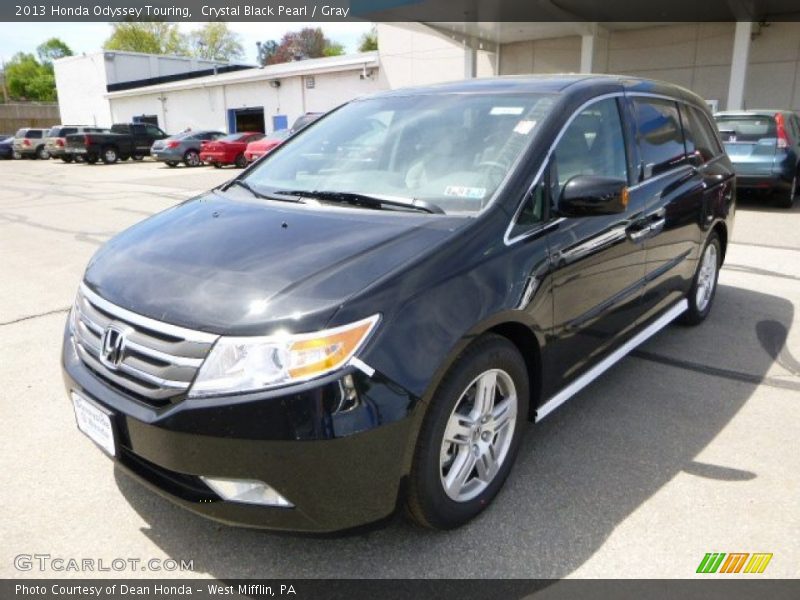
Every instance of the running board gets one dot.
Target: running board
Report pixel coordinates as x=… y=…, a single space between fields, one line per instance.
x=610 y=360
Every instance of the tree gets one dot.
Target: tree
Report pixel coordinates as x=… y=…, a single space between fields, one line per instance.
x=309 y=42
x=150 y=37
x=369 y=41
x=27 y=79
x=266 y=50
x=51 y=50
x=215 y=41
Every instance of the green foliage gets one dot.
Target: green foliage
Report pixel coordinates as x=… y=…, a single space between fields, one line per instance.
x=369 y=41
x=333 y=49
x=28 y=79
x=51 y=50
x=150 y=37
x=215 y=41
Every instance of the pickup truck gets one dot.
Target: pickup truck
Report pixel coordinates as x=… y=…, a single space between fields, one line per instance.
x=126 y=140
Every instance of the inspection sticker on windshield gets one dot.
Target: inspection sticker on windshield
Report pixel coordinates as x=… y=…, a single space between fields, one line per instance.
x=506 y=110
x=524 y=127
x=460 y=191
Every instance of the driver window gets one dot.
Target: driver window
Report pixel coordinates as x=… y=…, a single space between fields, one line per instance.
x=592 y=144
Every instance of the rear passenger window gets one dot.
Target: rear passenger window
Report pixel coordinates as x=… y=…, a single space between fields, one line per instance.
x=592 y=144
x=701 y=142
x=34 y=134
x=658 y=135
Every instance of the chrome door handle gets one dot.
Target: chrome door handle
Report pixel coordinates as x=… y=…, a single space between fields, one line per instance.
x=657 y=226
x=639 y=235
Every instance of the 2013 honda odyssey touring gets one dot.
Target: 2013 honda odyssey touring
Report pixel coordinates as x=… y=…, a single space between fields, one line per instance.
x=352 y=325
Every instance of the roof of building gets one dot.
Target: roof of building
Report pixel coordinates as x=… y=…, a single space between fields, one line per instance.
x=309 y=66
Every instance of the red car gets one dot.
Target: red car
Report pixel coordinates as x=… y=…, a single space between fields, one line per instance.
x=229 y=150
x=259 y=148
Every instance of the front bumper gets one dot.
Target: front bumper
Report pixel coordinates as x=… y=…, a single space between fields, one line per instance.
x=340 y=468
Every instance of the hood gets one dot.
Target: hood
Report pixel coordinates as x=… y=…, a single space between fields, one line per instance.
x=243 y=267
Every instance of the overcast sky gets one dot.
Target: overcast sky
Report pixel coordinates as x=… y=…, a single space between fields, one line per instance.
x=89 y=37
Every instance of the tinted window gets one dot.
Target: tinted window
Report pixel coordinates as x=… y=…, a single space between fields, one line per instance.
x=700 y=139
x=746 y=128
x=154 y=131
x=54 y=132
x=658 y=135
x=592 y=144
x=532 y=211
x=34 y=133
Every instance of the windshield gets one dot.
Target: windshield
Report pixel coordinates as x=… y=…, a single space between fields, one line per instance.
x=451 y=150
x=746 y=128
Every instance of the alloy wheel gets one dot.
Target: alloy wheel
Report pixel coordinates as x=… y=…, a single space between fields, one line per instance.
x=706 y=277
x=478 y=435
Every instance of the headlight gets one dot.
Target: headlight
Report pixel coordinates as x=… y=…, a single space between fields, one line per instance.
x=243 y=364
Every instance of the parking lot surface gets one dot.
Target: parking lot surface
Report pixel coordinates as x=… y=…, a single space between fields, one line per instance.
x=686 y=447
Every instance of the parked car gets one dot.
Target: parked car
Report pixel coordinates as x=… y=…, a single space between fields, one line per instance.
x=320 y=339
x=6 y=147
x=29 y=143
x=183 y=148
x=764 y=147
x=124 y=141
x=229 y=150
x=56 y=139
x=304 y=120
x=259 y=148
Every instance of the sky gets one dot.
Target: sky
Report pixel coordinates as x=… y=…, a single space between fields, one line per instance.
x=89 y=37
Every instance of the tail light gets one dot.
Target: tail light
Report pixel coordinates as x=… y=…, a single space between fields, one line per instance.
x=783 y=139
x=87 y=140
x=60 y=142
x=173 y=144
x=26 y=142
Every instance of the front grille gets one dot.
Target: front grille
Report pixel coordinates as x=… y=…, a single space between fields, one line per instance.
x=157 y=361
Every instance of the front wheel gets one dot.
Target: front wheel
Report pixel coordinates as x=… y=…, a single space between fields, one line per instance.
x=704 y=285
x=172 y=163
x=241 y=161
x=138 y=157
x=110 y=155
x=470 y=436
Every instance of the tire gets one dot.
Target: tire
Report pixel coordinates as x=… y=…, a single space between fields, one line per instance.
x=138 y=157
x=66 y=159
x=172 y=163
x=437 y=496
x=700 y=296
x=16 y=155
x=42 y=153
x=192 y=158
x=110 y=155
x=240 y=162
x=786 y=200
x=124 y=158
x=216 y=165
x=79 y=158
x=92 y=159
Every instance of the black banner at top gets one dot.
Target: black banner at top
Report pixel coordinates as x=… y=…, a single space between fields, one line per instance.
x=401 y=10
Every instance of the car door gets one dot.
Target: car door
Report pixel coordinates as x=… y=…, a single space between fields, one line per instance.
x=673 y=190
x=597 y=270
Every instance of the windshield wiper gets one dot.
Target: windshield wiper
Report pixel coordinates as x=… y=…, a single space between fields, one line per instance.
x=365 y=200
x=256 y=193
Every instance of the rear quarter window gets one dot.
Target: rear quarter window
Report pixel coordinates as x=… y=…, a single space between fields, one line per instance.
x=34 y=134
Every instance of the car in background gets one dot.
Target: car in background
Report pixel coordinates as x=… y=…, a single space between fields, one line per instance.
x=124 y=141
x=229 y=150
x=6 y=147
x=304 y=120
x=259 y=148
x=764 y=147
x=56 y=139
x=29 y=143
x=183 y=148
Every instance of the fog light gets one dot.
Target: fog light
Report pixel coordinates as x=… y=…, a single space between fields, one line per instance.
x=248 y=491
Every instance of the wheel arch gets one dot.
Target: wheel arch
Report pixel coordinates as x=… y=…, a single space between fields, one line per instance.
x=721 y=230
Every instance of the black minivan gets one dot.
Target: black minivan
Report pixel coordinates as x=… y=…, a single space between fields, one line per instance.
x=353 y=325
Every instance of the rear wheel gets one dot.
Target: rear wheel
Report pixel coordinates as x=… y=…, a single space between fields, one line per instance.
x=66 y=159
x=704 y=286
x=241 y=161
x=138 y=157
x=192 y=158
x=216 y=165
x=470 y=436
x=110 y=155
x=92 y=159
x=42 y=153
x=787 y=199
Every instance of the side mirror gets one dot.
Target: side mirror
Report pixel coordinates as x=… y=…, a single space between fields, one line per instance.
x=589 y=195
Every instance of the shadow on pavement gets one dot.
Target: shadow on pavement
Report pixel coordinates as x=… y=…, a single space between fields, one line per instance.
x=579 y=474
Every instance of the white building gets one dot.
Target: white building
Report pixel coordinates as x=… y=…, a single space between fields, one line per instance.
x=732 y=65
x=83 y=81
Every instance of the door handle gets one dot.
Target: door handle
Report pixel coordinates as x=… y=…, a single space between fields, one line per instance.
x=638 y=235
x=657 y=226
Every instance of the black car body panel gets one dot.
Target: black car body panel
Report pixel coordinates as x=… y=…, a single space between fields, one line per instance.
x=567 y=291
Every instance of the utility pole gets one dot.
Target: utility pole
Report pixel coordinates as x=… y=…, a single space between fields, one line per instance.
x=3 y=80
